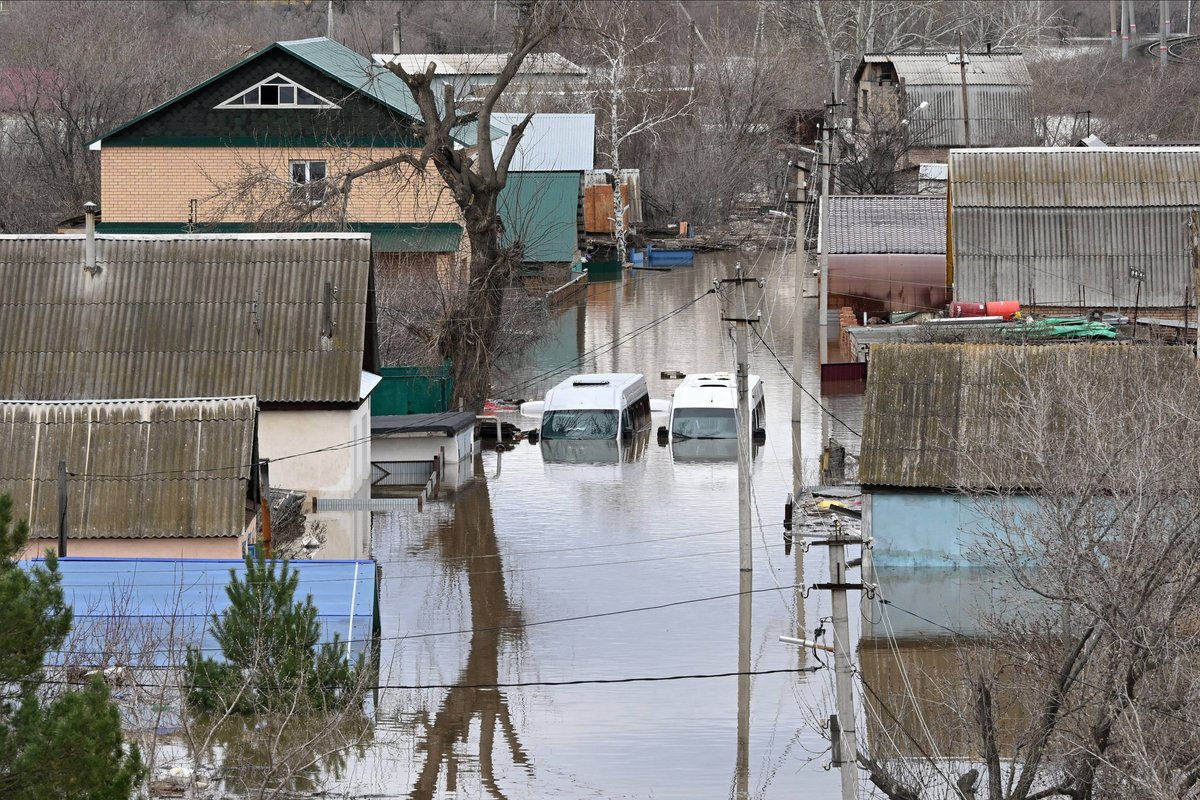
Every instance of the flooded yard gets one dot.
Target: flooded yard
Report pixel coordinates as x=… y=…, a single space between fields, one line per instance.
x=566 y=623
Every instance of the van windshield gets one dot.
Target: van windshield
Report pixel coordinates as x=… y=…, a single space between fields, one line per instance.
x=704 y=423
x=583 y=424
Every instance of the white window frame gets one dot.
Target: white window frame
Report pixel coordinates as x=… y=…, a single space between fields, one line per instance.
x=303 y=191
x=278 y=78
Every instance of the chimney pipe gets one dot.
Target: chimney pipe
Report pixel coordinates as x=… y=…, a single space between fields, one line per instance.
x=89 y=241
x=395 y=38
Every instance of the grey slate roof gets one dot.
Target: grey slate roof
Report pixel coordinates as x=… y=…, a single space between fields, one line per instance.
x=186 y=315
x=933 y=411
x=140 y=468
x=887 y=224
x=448 y=422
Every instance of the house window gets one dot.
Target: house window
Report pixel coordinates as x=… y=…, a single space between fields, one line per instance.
x=277 y=92
x=308 y=182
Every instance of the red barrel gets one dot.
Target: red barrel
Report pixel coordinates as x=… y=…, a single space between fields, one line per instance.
x=958 y=309
x=1003 y=308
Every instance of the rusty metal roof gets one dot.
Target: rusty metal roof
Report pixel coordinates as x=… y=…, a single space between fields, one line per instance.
x=1075 y=177
x=935 y=413
x=139 y=468
x=887 y=224
x=186 y=315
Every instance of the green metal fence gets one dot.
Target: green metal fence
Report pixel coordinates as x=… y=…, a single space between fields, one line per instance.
x=413 y=390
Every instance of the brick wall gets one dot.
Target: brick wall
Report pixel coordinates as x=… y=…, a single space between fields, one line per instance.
x=249 y=184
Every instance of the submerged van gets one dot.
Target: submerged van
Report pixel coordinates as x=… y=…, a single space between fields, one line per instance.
x=597 y=406
x=705 y=407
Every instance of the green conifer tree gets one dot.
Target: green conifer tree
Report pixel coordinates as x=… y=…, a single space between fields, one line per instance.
x=272 y=659
x=61 y=744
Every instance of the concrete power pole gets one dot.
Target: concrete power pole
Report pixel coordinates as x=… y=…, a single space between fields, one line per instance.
x=828 y=147
x=740 y=304
x=962 y=72
x=842 y=734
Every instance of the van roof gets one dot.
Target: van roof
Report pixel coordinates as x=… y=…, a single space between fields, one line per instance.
x=711 y=389
x=593 y=390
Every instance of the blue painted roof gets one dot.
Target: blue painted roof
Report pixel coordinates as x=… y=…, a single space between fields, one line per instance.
x=154 y=607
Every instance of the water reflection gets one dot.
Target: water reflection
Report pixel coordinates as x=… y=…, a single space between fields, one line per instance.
x=473 y=712
x=624 y=450
x=626 y=565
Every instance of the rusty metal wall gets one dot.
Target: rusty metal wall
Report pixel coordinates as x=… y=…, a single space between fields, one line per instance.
x=999 y=115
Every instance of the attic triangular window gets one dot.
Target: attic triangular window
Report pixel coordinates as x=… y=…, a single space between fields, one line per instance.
x=277 y=92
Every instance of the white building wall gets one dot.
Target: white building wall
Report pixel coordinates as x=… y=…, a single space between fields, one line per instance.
x=324 y=454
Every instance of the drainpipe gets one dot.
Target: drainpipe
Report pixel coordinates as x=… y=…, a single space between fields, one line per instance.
x=89 y=241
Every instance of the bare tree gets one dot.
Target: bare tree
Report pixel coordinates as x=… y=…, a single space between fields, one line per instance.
x=627 y=90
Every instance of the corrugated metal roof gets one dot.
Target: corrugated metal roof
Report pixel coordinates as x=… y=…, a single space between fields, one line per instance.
x=939 y=69
x=155 y=608
x=887 y=224
x=1075 y=177
x=552 y=142
x=139 y=469
x=199 y=315
x=932 y=412
x=355 y=71
x=482 y=63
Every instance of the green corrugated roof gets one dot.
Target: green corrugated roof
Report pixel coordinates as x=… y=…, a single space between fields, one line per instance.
x=386 y=237
x=541 y=209
x=355 y=71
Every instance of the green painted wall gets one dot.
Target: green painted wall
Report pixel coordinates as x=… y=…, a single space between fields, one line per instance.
x=542 y=210
x=413 y=390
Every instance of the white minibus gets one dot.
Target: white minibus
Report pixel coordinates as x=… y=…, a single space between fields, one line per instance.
x=597 y=406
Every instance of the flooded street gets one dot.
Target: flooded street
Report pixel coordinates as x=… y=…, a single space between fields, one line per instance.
x=569 y=621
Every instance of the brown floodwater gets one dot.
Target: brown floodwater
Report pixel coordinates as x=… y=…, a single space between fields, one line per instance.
x=530 y=607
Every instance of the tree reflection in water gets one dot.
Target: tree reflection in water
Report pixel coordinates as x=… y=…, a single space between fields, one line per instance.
x=468 y=544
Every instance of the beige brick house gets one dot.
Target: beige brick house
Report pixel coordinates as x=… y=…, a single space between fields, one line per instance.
x=259 y=147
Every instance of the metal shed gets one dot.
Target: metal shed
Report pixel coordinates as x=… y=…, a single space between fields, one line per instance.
x=1064 y=226
x=998 y=87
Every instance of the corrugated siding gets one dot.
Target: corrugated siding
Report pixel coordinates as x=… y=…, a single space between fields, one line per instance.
x=541 y=209
x=183 y=316
x=999 y=115
x=1070 y=256
x=552 y=142
x=932 y=411
x=154 y=609
x=887 y=224
x=1062 y=226
x=141 y=469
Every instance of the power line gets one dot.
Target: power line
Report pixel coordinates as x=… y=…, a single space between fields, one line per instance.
x=815 y=399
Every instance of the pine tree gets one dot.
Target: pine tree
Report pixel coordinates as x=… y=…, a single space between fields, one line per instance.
x=52 y=744
x=272 y=659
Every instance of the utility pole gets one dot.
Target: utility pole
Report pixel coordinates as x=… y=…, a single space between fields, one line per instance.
x=828 y=155
x=1164 y=31
x=264 y=468
x=62 y=509
x=740 y=304
x=1194 y=225
x=842 y=734
x=962 y=72
x=1124 y=30
x=1112 y=22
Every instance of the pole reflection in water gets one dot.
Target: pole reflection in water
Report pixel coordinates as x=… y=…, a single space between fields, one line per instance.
x=468 y=543
x=745 y=603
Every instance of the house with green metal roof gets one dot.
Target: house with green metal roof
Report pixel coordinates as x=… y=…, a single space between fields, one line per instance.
x=258 y=147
